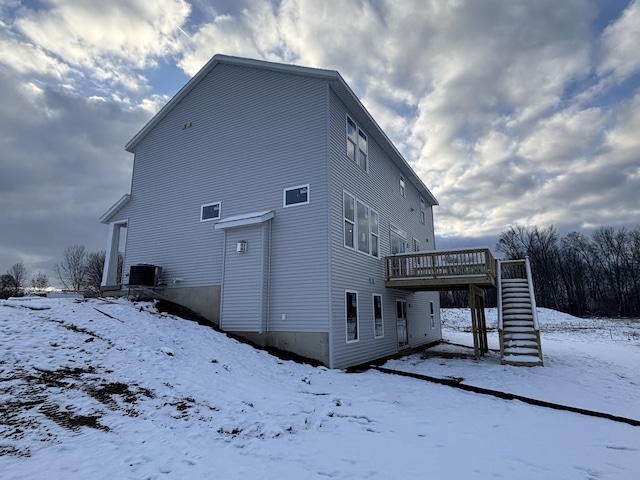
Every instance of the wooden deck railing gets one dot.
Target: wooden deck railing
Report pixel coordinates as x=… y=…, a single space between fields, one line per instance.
x=440 y=264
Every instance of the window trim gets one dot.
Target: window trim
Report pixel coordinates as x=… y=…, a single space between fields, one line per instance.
x=346 y=317
x=381 y=315
x=432 y=315
x=352 y=222
x=403 y=187
x=356 y=226
x=284 y=196
x=357 y=145
x=219 y=204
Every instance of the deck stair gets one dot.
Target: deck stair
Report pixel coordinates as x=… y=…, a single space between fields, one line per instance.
x=517 y=319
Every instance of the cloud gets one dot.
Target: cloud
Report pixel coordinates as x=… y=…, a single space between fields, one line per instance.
x=63 y=164
x=109 y=41
x=511 y=112
x=620 y=42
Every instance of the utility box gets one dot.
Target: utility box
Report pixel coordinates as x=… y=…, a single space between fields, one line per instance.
x=144 y=275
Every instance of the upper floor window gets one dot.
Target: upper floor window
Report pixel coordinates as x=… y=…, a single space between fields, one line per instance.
x=402 y=186
x=423 y=211
x=210 y=211
x=357 y=145
x=361 y=226
x=416 y=245
x=296 y=195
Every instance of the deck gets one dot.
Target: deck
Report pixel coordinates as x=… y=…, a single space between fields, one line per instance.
x=442 y=270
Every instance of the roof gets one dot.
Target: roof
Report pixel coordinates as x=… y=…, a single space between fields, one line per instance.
x=115 y=208
x=335 y=81
x=245 y=219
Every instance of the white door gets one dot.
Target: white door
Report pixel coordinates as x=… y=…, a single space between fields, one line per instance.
x=403 y=336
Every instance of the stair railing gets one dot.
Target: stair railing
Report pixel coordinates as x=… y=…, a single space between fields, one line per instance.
x=534 y=310
x=499 y=274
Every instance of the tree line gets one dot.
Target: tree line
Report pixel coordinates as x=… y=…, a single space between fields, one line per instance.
x=584 y=275
x=594 y=275
x=78 y=271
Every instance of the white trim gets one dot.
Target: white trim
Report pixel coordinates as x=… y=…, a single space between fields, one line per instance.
x=356 y=227
x=284 y=196
x=356 y=146
x=219 y=204
x=245 y=219
x=398 y=231
x=115 y=208
x=381 y=314
x=346 y=330
x=353 y=222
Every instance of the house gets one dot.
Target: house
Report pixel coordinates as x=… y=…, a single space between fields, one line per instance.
x=265 y=197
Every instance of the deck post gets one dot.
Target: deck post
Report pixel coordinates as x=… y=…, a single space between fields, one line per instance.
x=478 y=321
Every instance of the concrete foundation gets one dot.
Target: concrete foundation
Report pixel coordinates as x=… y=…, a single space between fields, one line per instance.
x=314 y=345
x=204 y=301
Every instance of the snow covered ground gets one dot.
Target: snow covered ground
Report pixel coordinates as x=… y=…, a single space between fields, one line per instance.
x=116 y=390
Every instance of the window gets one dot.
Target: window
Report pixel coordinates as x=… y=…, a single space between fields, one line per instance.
x=374 y=234
x=402 y=187
x=398 y=240
x=352 y=139
x=351 y=311
x=357 y=145
x=378 y=328
x=349 y=219
x=211 y=211
x=296 y=196
x=361 y=226
x=416 y=245
x=363 y=149
x=432 y=315
x=423 y=210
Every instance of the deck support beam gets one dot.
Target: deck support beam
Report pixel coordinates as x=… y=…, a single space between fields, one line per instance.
x=478 y=321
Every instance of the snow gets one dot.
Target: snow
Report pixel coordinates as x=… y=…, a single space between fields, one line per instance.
x=113 y=389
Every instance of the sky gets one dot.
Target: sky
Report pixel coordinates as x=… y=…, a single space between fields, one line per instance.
x=512 y=112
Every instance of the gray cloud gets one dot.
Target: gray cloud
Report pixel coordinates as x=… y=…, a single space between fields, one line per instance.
x=512 y=112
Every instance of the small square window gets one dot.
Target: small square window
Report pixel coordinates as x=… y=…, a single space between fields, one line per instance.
x=296 y=196
x=211 y=211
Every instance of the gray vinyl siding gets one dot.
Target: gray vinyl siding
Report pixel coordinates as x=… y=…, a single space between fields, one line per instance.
x=252 y=133
x=352 y=270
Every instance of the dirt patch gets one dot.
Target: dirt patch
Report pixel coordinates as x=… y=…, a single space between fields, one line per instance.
x=30 y=403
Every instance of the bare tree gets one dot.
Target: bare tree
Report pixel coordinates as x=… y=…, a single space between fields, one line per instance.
x=19 y=274
x=94 y=268
x=39 y=281
x=72 y=270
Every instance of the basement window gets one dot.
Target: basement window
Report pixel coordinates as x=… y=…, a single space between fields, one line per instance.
x=210 y=211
